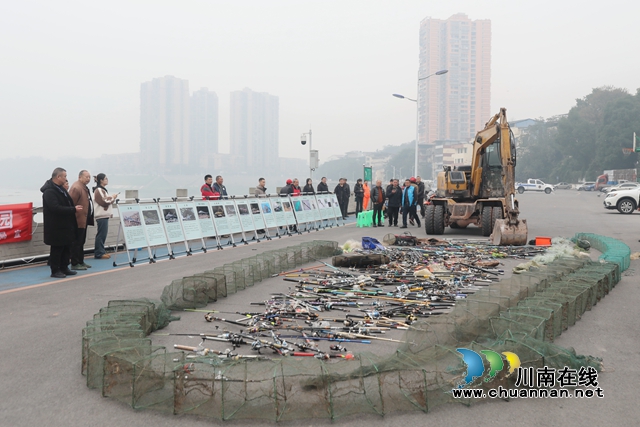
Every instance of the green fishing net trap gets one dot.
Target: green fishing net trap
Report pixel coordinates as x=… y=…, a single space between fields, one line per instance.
x=523 y=314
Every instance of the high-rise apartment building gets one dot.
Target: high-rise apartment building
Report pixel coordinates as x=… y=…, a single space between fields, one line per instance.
x=456 y=105
x=254 y=129
x=164 y=124
x=204 y=127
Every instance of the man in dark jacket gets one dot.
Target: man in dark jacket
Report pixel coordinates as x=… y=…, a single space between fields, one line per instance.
x=218 y=187
x=287 y=189
x=421 y=195
x=60 y=224
x=358 y=191
x=394 y=195
x=377 y=198
x=322 y=186
x=342 y=193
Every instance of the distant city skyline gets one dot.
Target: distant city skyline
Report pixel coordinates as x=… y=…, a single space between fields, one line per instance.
x=179 y=130
x=72 y=85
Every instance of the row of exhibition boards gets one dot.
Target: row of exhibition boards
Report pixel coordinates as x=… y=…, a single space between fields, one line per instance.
x=183 y=224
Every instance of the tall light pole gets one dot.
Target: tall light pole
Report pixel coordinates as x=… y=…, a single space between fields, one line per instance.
x=313 y=154
x=397 y=95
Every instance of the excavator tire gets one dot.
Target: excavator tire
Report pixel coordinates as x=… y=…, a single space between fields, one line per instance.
x=438 y=220
x=428 y=219
x=496 y=214
x=487 y=221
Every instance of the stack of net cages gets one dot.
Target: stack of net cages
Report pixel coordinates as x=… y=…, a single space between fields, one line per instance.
x=522 y=314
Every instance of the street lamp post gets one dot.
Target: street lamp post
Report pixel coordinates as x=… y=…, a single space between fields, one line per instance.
x=303 y=141
x=397 y=95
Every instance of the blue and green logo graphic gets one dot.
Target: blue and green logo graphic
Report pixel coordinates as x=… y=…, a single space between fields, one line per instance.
x=475 y=364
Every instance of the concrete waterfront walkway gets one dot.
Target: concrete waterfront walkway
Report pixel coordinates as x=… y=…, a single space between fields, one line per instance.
x=41 y=330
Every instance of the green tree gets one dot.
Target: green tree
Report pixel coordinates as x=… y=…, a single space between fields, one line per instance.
x=578 y=133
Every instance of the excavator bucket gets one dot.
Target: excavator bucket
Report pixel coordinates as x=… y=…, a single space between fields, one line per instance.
x=505 y=234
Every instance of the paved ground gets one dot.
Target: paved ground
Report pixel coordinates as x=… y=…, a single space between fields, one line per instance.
x=41 y=329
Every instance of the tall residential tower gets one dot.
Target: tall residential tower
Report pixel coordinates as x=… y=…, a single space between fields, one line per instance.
x=164 y=124
x=456 y=105
x=204 y=127
x=254 y=129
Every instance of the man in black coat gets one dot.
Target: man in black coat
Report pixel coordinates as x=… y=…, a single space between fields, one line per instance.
x=394 y=195
x=343 y=192
x=421 y=194
x=60 y=226
x=322 y=186
x=287 y=190
x=358 y=190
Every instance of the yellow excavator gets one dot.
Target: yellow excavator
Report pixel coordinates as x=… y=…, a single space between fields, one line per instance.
x=483 y=193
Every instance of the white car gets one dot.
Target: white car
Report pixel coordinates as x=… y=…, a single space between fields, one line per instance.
x=625 y=201
x=625 y=186
x=533 y=185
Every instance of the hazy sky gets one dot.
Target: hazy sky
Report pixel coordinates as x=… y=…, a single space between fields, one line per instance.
x=71 y=70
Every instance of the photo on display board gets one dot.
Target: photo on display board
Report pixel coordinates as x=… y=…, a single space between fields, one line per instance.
x=306 y=205
x=255 y=209
x=203 y=212
x=231 y=210
x=266 y=208
x=243 y=209
x=218 y=211
x=131 y=219
x=321 y=203
x=187 y=214
x=286 y=206
x=277 y=206
x=151 y=217
x=297 y=206
x=170 y=215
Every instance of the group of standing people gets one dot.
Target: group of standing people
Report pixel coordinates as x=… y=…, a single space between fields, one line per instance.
x=395 y=199
x=68 y=211
x=214 y=190
x=406 y=199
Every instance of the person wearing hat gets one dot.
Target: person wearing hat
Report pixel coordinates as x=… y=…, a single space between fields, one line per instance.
x=421 y=194
x=287 y=189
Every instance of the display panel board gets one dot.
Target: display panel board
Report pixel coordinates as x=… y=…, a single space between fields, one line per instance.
x=132 y=226
x=153 y=225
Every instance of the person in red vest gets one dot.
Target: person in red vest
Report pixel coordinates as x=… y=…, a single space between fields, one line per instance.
x=207 y=191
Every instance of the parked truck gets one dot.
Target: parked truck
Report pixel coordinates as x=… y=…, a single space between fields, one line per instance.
x=615 y=177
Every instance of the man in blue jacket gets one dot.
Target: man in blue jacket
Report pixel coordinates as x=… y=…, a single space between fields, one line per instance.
x=409 y=203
